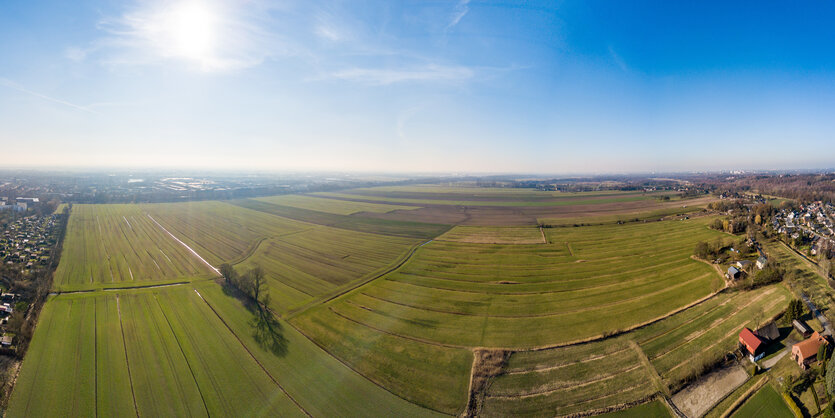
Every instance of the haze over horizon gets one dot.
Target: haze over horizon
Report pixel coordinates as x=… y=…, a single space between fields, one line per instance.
x=459 y=86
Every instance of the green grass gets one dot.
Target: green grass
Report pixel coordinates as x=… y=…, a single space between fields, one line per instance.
x=427 y=374
x=588 y=282
x=428 y=199
x=335 y=206
x=94 y=354
x=311 y=263
x=318 y=381
x=766 y=402
x=654 y=409
x=58 y=377
x=622 y=217
x=494 y=235
x=120 y=245
x=630 y=367
x=218 y=231
x=408 y=229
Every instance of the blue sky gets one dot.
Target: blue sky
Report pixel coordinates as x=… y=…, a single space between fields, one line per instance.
x=424 y=86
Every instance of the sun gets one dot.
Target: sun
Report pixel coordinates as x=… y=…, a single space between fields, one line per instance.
x=191 y=30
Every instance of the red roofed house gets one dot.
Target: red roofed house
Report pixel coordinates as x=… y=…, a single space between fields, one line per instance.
x=751 y=342
x=806 y=351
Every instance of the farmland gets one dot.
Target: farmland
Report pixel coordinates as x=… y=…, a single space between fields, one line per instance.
x=169 y=352
x=610 y=372
x=506 y=295
x=767 y=401
x=378 y=315
x=120 y=244
x=338 y=207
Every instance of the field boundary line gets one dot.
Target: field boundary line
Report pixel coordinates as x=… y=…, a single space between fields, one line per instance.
x=405 y=337
x=569 y=385
x=180 y=346
x=264 y=369
x=184 y=245
x=542 y=369
x=745 y=396
x=653 y=374
x=127 y=360
x=361 y=282
x=685 y=341
x=549 y=314
x=321 y=347
x=624 y=331
x=720 y=340
x=96 y=354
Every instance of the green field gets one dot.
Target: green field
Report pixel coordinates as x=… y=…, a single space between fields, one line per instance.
x=654 y=409
x=621 y=217
x=419 y=230
x=766 y=402
x=316 y=261
x=494 y=235
x=633 y=366
x=169 y=352
x=121 y=245
x=497 y=200
x=523 y=296
x=377 y=316
x=335 y=206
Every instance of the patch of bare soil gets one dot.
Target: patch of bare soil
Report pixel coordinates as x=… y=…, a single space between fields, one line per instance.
x=698 y=397
x=487 y=364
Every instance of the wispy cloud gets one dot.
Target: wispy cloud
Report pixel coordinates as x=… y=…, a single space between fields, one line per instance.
x=11 y=84
x=386 y=76
x=219 y=35
x=461 y=10
x=617 y=59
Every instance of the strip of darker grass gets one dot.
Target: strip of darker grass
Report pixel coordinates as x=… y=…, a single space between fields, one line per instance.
x=350 y=222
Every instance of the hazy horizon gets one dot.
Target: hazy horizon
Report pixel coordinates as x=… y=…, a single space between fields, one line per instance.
x=447 y=87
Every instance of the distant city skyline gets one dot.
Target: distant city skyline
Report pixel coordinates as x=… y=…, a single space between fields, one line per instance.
x=418 y=87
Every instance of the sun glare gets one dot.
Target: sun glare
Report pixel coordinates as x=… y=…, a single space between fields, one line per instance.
x=191 y=27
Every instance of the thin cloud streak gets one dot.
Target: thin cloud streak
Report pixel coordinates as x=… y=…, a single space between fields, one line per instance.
x=11 y=84
x=382 y=77
x=461 y=10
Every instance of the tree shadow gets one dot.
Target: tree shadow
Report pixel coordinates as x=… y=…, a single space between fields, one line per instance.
x=266 y=328
x=268 y=332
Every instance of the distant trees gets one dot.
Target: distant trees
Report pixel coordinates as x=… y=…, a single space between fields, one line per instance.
x=795 y=310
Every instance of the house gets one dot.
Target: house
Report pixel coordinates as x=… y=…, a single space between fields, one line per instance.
x=761 y=262
x=742 y=264
x=733 y=273
x=768 y=332
x=806 y=351
x=802 y=327
x=750 y=341
x=6 y=341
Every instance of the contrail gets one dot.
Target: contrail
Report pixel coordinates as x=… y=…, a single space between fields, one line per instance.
x=11 y=84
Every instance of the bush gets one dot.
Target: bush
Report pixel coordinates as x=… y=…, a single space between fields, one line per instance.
x=792 y=405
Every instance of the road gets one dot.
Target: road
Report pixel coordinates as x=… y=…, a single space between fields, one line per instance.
x=827 y=327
